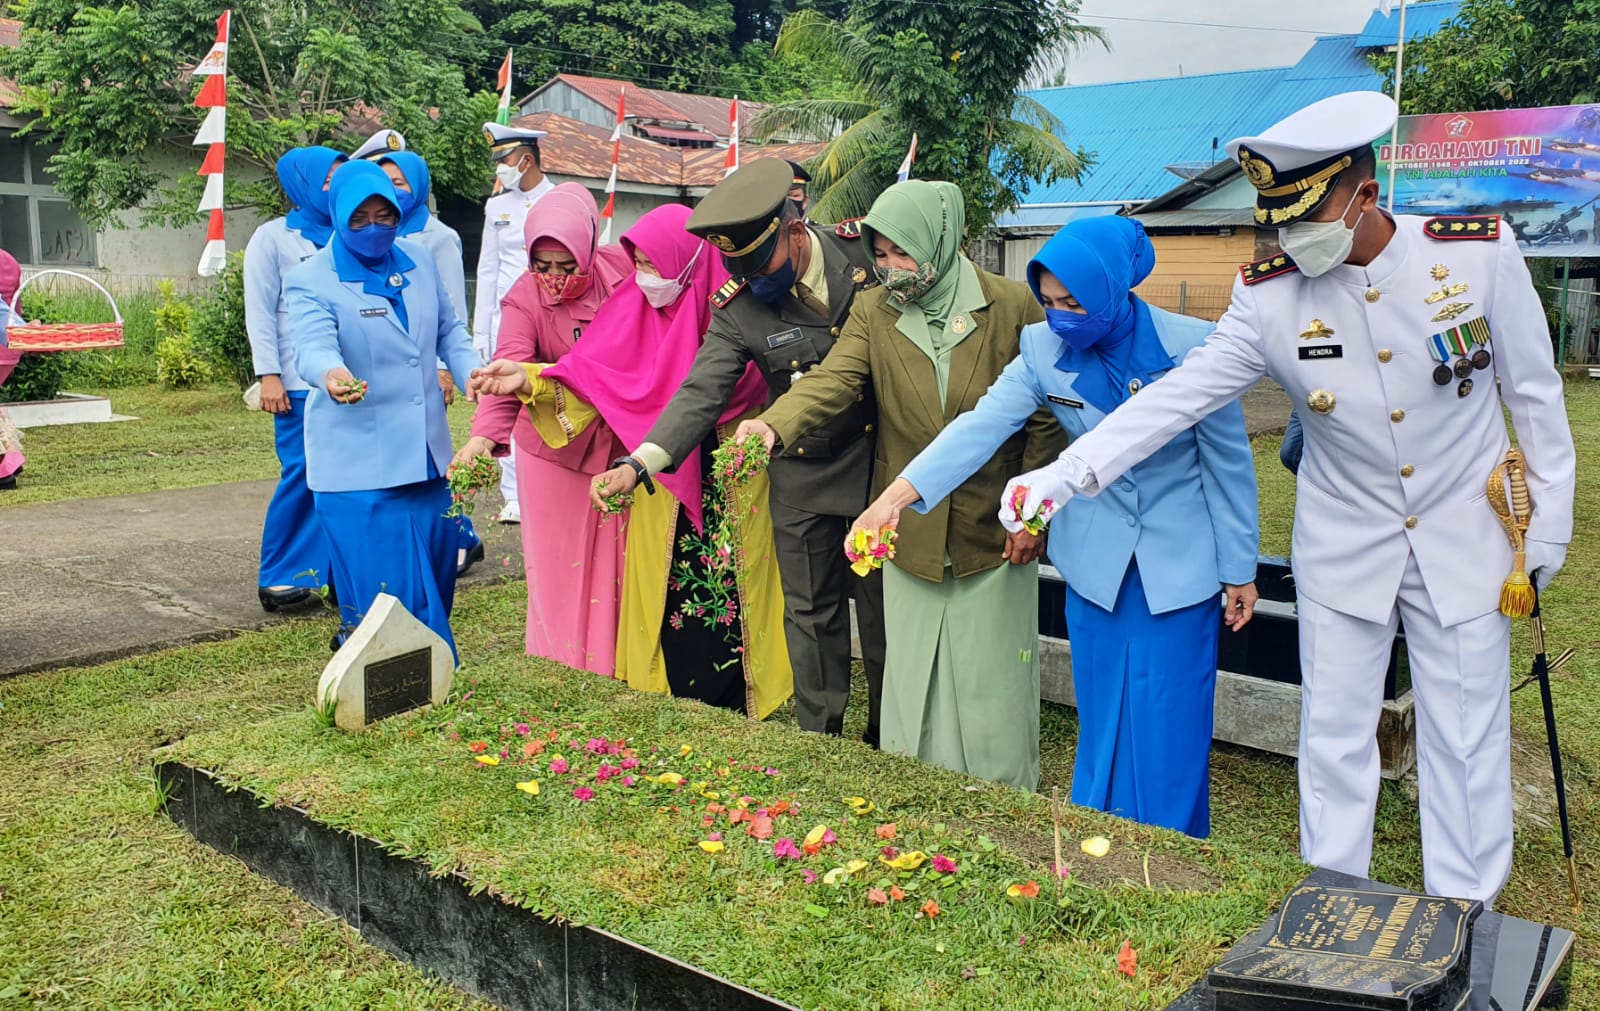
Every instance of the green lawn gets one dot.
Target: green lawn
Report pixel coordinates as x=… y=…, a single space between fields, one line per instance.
x=104 y=904
x=182 y=439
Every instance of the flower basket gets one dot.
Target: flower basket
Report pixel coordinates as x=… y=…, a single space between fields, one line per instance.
x=66 y=336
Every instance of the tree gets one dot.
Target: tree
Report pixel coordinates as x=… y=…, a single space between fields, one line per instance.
x=111 y=88
x=1501 y=54
x=948 y=73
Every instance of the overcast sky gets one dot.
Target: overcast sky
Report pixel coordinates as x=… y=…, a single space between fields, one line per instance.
x=1155 y=38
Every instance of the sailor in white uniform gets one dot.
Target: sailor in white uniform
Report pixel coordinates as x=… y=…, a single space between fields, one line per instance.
x=1401 y=339
x=503 y=258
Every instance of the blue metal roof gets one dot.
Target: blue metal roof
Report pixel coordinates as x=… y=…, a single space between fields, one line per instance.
x=1422 y=20
x=1135 y=129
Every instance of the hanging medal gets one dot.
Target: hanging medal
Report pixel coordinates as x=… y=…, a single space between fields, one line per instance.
x=1479 y=331
x=1439 y=351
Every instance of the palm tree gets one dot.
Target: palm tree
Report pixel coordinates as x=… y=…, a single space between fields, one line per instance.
x=972 y=129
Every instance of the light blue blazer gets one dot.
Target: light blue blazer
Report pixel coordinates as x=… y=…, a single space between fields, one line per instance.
x=272 y=252
x=383 y=441
x=1187 y=514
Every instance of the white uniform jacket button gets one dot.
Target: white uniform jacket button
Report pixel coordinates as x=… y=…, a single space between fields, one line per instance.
x=1397 y=416
x=1411 y=523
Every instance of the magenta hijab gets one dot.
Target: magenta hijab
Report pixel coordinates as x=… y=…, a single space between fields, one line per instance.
x=633 y=357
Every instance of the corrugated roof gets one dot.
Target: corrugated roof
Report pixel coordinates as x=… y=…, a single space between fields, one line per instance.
x=1136 y=128
x=1241 y=217
x=705 y=111
x=1422 y=20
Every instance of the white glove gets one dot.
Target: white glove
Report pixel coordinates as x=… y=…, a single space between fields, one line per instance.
x=480 y=347
x=1544 y=560
x=1045 y=484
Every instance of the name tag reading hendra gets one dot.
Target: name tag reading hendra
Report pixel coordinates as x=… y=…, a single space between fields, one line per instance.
x=1319 y=352
x=1064 y=401
x=369 y=313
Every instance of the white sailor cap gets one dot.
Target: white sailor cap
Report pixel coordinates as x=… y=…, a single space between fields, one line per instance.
x=1294 y=163
x=379 y=144
x=505 y=139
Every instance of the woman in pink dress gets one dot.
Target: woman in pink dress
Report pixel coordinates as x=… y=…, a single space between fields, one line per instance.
x=11 y=458
x=572 y=555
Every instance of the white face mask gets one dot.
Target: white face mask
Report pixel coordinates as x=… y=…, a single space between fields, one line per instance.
x=1319 y=246
x=509 y=175
x=661 y=292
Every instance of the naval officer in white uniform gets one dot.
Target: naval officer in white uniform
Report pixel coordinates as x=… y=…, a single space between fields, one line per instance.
x=503 y=258
x=1400 y=338
x=379 y=145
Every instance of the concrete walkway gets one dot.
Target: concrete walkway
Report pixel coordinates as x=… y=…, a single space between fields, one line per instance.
x=93 y=580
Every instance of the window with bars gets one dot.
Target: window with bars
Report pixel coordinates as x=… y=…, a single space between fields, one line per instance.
x=37 y=225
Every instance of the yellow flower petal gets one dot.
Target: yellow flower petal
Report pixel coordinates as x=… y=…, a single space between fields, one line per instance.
x=712 y=846
x=530 y=787
x=669 y=779
x=710 y=795
x=835 y=876
x=861 y=566
x=1096 y=846
x=815 y=835
x=856 y=866
x=685 y=751
x=1014 y=892
x=906 y=861
x=860 y=806
x=487 y=760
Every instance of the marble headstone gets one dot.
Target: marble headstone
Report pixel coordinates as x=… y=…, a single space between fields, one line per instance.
x=392 y=663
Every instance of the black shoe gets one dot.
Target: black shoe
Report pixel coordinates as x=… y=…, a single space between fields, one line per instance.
x=870 y=739
x=474 y=556
x=339 y=637
x=9 y=483
x=271 y=599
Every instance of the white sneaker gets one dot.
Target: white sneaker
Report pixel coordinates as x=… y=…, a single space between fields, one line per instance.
x=511 y=512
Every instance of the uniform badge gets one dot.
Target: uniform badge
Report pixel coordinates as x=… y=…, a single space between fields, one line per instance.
x=1464 y=389
x=778 y=340
x=1064 y=401
x=958 y=326
x=1321 y=401
x=1135 y=385
x=1481 y=227
x=1439 y=272
x=1315 y=330
x=1448 y=291
x=395 y=280
x=859 y=275
x=725 y=294
x=372 y=313
x=1320 y=352
x=502 y=221
x=394 y=141
x=722 y=242
x=1268 y=267
x=1451 y=311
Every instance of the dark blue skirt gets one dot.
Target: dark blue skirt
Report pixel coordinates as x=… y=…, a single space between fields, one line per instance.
x=395 y=541
x=1146 y=684
x=294 y=551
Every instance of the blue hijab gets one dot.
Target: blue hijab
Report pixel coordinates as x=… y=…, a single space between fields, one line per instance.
x=413 y=205
x=380 y=272
x=1099 y=261
x=300 y=173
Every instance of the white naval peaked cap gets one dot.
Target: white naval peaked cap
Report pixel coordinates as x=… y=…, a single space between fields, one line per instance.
x=1294 y=163
x=381 y=143
x=505 y=138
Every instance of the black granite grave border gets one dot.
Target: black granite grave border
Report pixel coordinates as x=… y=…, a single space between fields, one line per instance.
x=503 y=953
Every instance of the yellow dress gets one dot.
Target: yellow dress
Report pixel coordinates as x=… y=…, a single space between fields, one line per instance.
x=559 y=416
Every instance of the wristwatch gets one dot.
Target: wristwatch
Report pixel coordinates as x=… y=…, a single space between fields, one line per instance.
x=639 y=470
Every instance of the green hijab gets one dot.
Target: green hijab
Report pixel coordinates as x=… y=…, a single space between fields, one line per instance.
x=928 y=220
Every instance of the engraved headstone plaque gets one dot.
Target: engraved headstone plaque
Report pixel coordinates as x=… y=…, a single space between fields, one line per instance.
x=1350 y=948
x=398 y=684
x=392 y=663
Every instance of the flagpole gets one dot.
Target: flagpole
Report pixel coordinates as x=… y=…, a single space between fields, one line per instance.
x=1399 y=78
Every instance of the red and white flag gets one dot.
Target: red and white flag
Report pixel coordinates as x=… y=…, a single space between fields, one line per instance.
x=616 y=156
x=502 y=114
x=911 y=156
x=730 y=164
x=213 y=135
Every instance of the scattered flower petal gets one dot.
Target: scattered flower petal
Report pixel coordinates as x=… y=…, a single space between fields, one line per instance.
x=886 y=831
x=1063 y=871
x=558 y=765
x=860 y=806
x=810 y=875
x=930 y=909
x=685 y=751
x=478 y=747
x=531 y=787
x=584 y=794
x=896 y=893
x=856 y=866
x=533 y=748
x=1127 y=960
x=943 y=864
x=760 y=828
x=714 y=836
x=1096 y=846
x=712 y=845
x=786 y=849
x=669 y=779
x=1027 y=891
x=877 y=897
x=906 y=861
x=815 y=836
x=488 y=760
x=835 y=877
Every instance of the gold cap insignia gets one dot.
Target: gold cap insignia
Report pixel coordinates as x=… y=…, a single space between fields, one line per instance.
x=1257 y=171
x=1315 y=330
x=488 y=135
x=722 y=242
x=394 y=141
x=1321 y=401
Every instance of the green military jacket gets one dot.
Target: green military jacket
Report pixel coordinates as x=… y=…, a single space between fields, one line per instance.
x=870 y=350
x=827 y=471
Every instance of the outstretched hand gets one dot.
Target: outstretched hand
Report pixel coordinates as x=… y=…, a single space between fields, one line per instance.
x=499 y=378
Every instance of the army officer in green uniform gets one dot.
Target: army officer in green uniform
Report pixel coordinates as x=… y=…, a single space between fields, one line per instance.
x=792 y=287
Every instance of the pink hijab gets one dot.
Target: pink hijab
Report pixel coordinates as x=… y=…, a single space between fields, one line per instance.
x=633 y=357
x=568 y=218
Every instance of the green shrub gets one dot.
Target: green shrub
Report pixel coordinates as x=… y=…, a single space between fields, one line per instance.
x=219 y=326
x=38 y=377
x=179 y=363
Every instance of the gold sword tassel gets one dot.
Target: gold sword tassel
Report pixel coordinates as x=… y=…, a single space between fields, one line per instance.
x=1514 y=510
